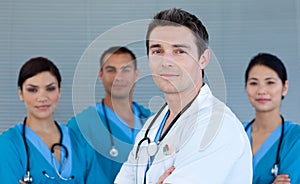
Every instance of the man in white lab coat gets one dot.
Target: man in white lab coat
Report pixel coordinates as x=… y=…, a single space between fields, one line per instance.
x=194 y=132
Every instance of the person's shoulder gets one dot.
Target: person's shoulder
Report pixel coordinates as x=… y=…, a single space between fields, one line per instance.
x=231 y=127
x=291 y=138
x=11 y=132
x=222 y=110
x=10 y=137
x=145 y=111
x=85 y=114
x=293 y=130
x=86 y=111
x=293 y=125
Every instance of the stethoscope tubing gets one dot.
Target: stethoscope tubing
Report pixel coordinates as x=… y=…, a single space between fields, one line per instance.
x=146 y=138
x=27 y=178
x=114 y=151
x=275 y=168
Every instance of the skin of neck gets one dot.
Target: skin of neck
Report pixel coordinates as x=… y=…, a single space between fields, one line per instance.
x=45 y=125
x=185 y=97
x=266 y=121
x=122 y=107
x=118 y=105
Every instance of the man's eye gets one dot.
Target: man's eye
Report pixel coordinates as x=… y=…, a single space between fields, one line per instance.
x=156 y=51
x=179 y=51
x=126 y=70
x=110 y=71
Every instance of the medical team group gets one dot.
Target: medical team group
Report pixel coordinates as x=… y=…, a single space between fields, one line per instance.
x=193 y=138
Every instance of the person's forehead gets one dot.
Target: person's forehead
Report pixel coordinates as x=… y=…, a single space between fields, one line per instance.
x=172 y=35
x=118 y=60
x=262 y=72
x=44 y=78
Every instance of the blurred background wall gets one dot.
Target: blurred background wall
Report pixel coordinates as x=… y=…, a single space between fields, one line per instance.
x=74 y=34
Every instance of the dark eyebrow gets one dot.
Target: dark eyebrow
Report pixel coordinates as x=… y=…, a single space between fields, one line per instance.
x=109 y=67
x=182 y=46
x=34 y=86
x=175 y=45
x=51 y=84
x=154 y=46
x=31 y=85
x=252 y=78
x=271 y=78
x=127 y=66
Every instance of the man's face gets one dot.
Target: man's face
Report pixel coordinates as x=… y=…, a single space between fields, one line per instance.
x=174 y=59
x=118 y=75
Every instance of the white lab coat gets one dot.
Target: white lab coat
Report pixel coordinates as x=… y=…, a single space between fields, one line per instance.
x=207 y=144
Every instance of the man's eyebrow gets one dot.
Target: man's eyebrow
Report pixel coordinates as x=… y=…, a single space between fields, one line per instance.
x=182 y=46
x=127 y=66
x=175 y=45
x=154 y=46
x=109 y=67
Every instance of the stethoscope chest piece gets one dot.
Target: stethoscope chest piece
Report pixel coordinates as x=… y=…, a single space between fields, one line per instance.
x=274 y=170
x=113 y=152
x=152 y=148
x=27 y=178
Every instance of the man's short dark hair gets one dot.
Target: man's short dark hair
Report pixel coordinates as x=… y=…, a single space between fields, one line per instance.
x=118 y=50
x=179 y=17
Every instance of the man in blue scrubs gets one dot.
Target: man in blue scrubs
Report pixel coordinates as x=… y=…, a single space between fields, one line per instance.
x=111 y=125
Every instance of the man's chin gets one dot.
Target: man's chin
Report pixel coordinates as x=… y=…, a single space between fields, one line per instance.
x=120 y=96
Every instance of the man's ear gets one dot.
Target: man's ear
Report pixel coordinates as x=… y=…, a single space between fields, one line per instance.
x=137 y=74
x=204 y=59
x=100 y=73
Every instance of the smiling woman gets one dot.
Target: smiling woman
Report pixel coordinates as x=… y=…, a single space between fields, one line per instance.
x=275 y=142
x=41 y=150
x=40 y=94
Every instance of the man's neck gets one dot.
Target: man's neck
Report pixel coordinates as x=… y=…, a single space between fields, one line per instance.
x=122 y=107
x=177 y=101
x=118 y=104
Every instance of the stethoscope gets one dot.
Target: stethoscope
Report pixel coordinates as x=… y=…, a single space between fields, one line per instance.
x=275 y=168
x=27 y=177
x=152 y=145
x=114 y=151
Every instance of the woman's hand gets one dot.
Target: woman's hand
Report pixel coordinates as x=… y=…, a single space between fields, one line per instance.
x=282 y=179
x=21 y=182
x=165 y=175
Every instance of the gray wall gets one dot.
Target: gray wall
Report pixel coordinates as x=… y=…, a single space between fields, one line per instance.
x=74 y=33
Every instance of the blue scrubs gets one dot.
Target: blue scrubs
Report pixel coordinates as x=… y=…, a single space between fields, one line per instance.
x=264 y=159
x=14 y=161
x=90 y=126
